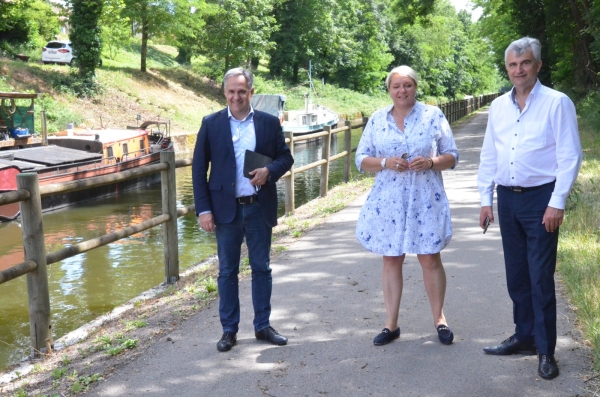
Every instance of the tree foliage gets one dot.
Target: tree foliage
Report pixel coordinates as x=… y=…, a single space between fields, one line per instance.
x=568 y=31
x=26 y=23
x=237 y=31
x=85 y=34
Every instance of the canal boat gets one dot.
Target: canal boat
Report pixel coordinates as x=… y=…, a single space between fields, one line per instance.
x=312 y=118
x=79 y=153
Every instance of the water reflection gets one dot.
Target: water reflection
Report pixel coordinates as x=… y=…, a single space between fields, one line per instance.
x=93 y=283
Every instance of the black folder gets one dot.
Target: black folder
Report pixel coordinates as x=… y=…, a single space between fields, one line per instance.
x=253 y=160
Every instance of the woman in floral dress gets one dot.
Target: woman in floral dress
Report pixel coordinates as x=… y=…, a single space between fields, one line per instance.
x=407 y=145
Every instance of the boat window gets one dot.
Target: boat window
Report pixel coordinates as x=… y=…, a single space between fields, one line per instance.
x=109 y=152
x=125 y=150
x=142 y=147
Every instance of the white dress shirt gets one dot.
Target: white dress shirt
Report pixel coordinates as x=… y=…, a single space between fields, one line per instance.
x=531 y=147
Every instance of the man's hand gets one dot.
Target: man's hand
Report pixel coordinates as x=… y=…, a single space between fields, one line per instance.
x=259 y=176
x=553 y=218
x=207 y=222
x=486 y=211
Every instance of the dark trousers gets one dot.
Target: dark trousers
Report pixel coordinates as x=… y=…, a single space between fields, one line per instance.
x=530 y=260
x=248 y=223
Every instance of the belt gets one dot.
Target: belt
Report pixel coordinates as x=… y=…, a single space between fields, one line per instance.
x=247 y=199
x=521 y=189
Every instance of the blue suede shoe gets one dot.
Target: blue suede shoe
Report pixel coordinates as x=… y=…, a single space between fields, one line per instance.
x=445 y=334
x=386 y=336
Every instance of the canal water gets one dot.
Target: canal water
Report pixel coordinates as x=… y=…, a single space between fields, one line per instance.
x=93 y=283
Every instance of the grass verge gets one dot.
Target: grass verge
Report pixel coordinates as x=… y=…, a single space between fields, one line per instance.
x=579 y=245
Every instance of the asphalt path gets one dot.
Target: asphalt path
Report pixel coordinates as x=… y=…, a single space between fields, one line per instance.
x=327 y=300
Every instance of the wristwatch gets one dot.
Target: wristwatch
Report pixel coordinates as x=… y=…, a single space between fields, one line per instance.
x=383 y=162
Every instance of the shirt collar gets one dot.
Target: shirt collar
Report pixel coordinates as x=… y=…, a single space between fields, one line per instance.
x=249 y=116
x=532 y=94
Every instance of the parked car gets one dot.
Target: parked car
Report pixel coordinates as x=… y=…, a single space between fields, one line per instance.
x=57 y=51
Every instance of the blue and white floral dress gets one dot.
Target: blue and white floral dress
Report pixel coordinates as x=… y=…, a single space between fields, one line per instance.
x=406 y=212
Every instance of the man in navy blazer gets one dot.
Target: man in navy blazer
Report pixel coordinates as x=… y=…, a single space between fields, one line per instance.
x=234 y=206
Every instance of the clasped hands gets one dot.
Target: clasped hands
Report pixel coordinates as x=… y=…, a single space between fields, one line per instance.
x=397 y=163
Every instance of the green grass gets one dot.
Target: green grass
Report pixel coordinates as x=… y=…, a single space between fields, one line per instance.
x=579 y=245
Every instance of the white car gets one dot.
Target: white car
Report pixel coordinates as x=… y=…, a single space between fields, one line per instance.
x=57 y=51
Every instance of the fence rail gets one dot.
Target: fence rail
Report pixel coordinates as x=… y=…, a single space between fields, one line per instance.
x=29 y=193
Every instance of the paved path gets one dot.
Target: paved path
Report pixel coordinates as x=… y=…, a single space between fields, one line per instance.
x=327 y=299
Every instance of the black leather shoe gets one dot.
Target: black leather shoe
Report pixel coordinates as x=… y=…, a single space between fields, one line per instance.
x=227 y=341
x=386 y=336
x=547 y=368
x=511 y=346
x=272 y=336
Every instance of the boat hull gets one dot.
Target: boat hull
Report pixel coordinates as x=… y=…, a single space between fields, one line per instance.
x=77 y=173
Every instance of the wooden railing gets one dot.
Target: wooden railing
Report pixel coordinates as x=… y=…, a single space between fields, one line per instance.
x=456 y=110
x=29 y=195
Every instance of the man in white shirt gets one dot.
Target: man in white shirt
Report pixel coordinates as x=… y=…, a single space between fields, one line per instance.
x=532 y=153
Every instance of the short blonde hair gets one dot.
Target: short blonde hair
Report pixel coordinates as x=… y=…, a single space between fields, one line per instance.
x=402 y=70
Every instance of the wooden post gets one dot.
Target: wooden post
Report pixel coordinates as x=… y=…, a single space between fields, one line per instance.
x=44 y=129
x=169 y=206
x=348 y=148
x=40 y=327
x=325 y=156
x=289 y=181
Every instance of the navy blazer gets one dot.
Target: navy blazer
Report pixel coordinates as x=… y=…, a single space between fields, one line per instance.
x=215 y=192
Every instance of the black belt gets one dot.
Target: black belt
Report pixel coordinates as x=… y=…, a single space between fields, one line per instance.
x=247 y=199
x=521 y=189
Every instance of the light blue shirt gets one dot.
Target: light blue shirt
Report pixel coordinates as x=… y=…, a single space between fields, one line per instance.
x=244 y=138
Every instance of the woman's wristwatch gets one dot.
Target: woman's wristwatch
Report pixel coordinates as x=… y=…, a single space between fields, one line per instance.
x=383 y=162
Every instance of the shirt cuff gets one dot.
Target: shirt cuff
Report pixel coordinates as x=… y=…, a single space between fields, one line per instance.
x=557 y=202
x=205 y=212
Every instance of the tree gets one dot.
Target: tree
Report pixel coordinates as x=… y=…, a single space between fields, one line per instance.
x=150 y=18
x=25 y=23
x=85 y=35
x=361 y=54
x=307 y=30
x=116 y=30
x=237 y=31
x=567 y=30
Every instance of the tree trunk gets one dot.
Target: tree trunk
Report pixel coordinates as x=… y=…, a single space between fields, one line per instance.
x=144 y=50
x=586 y=70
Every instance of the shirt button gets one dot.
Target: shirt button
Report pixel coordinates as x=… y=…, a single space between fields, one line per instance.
x=513 y=177
x=511 y=163
x=518 y=121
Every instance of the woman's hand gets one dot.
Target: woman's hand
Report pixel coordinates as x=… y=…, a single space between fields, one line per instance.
x=420 y=164
x=397 y=163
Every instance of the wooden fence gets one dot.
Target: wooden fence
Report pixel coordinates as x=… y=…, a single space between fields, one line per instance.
x=29 y=195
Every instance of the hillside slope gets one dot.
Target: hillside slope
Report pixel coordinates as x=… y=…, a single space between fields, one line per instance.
x=167 y=91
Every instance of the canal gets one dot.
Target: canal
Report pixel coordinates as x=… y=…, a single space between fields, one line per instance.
x=93 y=283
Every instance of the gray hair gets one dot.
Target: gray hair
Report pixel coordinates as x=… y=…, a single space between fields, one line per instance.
x=239 y=72
x=402 y=70
x=519 y=47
